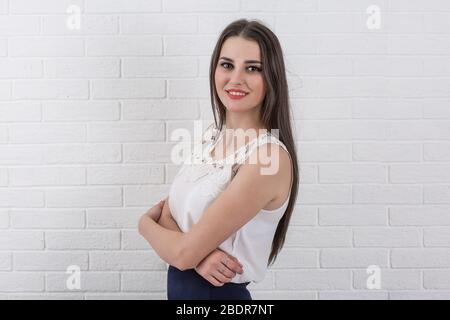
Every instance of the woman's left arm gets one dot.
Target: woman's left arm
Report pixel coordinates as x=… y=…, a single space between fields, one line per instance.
x=226 y=215
x=167 y=243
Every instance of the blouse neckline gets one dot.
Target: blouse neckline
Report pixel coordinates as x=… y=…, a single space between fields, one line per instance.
x=213 y=146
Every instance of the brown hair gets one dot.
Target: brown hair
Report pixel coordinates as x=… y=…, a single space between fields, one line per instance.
x=275 y=109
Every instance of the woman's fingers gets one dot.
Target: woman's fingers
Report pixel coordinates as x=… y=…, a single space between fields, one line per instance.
x=227 y=271
x=214 y=281
x=235 y=266
x=220 y=277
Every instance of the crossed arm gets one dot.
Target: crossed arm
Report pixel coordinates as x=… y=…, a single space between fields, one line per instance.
x=226 y=215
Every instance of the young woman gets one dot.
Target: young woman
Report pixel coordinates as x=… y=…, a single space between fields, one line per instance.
x=228 y=210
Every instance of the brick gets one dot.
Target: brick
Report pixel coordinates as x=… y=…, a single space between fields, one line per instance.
x=132 y=240
x=436 y=194
x=21 y=240
x=43 y=7
x=387 y=237
x=5 y=261
x=122 y=6
x=387 y=194
x=387 y=109
x=284 y=5
x=353 y=258
x=89 y=281
x=436 y=108
x=436 y=237
x=47 y=219
x=82 y=240
x=436 y=279
x=89 y=25
x=45 y=47
x=124 y=46
x=387 y=151
x=18 y=155
x=159 y=67
x=82 y=153
x=82 y=68
x=188 y=45
x=313 y=280
x=144 y=196
x=390 y=279
x=158 y=24
x=318 y=237
x=15 y=198
x=49 y=261
x=436 y=151
x=324 y=152
x=320 y=194
x=47 y=176
x=420 y=258
x=126 y=132
x=24 y=281
x=20 y=111
x=148 y=153
x=113 y=218
x=119 y=260
x=355 y=215
x=433 y=215
x=159 y=110
x=47 y=133
x=21 y=68
x=200 y=6
x=129 y=174
x=292 y=258
x=419 y=173
x=128 y=88
x=352 y=173
x=84 y=197
x=321 y=109
x=51 y=89
x=83 y=111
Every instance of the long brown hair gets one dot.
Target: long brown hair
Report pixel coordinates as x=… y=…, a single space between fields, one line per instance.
x=275 y=109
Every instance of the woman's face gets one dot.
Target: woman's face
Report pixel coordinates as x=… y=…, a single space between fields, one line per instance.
x=239 y=74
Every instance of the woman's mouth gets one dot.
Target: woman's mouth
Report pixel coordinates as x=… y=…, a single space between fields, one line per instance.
x=236 y=95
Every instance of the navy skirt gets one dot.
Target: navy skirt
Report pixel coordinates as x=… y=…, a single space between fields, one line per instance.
x=189 y=285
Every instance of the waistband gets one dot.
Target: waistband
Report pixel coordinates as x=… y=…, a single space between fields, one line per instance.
x=193 y=272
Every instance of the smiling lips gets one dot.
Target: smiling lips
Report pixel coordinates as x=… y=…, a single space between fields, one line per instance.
x=236 y=94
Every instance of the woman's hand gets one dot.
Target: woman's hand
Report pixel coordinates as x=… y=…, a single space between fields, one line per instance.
x=214 y=269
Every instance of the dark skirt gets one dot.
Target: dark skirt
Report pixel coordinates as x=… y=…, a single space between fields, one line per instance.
x=189 y=285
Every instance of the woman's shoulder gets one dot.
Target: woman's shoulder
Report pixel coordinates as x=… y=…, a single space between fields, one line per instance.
x=272 y=155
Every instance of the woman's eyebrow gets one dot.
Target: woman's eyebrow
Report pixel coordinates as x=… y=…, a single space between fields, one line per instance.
x=248 y=61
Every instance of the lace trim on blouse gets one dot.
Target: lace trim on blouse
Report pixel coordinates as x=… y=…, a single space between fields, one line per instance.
x=219 y=172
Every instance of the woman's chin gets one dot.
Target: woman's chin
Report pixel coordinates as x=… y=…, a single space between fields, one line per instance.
x=234 y=107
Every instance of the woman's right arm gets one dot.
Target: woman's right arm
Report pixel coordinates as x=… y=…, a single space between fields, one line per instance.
x=166 y=220
x=208 y=267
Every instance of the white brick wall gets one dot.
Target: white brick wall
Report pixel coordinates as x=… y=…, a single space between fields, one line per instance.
x=86 y=117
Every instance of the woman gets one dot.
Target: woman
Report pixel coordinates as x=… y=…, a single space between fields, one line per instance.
x=231 y=212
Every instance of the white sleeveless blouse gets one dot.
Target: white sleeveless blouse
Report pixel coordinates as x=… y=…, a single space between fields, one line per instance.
x=197 y=185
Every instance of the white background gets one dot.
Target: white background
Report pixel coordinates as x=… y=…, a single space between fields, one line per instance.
x=86 y=117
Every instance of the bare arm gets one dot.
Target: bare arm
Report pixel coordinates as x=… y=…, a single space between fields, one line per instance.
x=166 y=220
x=208 y=268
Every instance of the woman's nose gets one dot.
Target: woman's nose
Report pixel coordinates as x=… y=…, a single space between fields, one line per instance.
x=237 y=76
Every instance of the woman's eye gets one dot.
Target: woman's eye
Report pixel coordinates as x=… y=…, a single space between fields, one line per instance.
x=226 y=64
x=256 y=68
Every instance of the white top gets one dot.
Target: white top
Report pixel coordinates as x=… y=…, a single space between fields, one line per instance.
x=196 y=186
